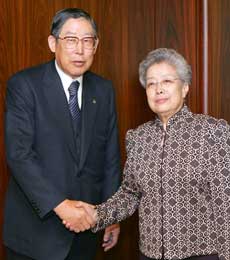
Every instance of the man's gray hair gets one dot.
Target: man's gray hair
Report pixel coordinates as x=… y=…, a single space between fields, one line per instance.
x=169 y=56
x=63 y=15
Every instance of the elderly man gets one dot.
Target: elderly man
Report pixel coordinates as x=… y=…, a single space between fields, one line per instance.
x=62 y=146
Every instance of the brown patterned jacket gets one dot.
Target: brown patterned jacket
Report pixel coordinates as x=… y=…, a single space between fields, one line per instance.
x=179 y=180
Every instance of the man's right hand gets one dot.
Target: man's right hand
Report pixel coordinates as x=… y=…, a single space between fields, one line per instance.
x=77 y=217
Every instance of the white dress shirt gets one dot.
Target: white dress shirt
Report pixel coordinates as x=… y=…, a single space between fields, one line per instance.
x=67 y=80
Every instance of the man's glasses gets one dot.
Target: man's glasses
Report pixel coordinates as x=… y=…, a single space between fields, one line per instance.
x=70 y=42
x=163 y=83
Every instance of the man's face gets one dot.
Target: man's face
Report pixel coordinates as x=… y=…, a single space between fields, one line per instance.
x=77 y=60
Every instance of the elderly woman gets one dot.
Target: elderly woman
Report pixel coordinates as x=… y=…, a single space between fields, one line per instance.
x=177 y=172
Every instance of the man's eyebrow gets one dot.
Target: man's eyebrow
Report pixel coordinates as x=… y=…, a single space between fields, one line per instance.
x=75 y=34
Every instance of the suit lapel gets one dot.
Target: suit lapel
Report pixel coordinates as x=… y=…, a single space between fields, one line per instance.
x=59 y=106
x=89 y=109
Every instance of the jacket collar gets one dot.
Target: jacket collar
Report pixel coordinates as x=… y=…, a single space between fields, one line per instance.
x=176 y=118
x=56 y=98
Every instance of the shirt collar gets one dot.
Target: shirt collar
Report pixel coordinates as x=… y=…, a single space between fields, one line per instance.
x=66 y=79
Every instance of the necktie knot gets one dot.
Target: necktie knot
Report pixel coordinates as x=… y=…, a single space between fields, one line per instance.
x=73 y=88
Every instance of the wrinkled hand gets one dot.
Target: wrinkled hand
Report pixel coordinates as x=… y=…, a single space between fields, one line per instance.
x=75 y=218
x=111 y=236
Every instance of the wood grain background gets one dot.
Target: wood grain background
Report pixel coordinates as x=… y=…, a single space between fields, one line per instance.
x=128 y=29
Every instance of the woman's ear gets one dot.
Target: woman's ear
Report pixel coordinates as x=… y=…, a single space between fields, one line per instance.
x=185 y=90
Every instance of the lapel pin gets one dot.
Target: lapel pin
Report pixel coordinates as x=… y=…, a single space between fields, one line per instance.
x=94 y=101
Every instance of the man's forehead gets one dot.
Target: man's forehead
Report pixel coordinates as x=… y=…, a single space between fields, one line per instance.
x=75 y=25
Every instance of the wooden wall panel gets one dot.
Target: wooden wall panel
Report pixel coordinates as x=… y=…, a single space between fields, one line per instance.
x=218 y=59
x=141 y=40
x=177 y=27
x=128 y=30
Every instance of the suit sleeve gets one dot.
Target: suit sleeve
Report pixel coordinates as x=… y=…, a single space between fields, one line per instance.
x=220 y=186
x=126 y=200
x=23 y=160
x=112 y=170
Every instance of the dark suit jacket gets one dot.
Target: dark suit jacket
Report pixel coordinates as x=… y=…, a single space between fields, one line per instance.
x=41 y=154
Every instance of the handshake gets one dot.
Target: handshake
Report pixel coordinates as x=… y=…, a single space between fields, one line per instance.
x=77 y=216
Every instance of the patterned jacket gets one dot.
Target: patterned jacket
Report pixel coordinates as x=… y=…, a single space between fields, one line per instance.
x=179 y=180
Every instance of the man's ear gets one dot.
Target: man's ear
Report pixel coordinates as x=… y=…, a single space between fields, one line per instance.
x=52 y=43
x=95 y=47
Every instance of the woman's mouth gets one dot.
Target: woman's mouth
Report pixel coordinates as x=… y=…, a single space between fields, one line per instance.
x=161 y=100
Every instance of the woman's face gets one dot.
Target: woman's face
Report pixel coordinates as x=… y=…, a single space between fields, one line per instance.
x=165 y=91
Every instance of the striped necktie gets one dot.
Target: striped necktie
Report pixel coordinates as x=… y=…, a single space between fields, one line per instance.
x=73 y=101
